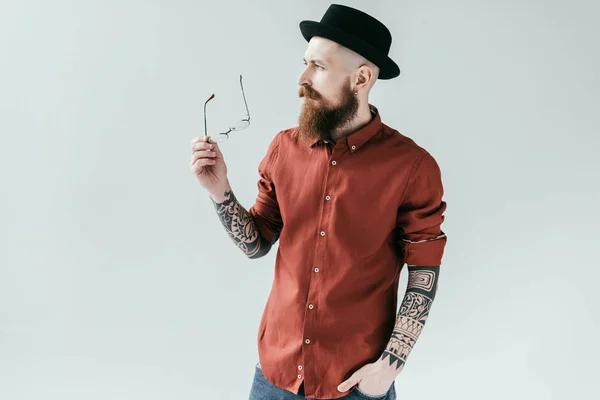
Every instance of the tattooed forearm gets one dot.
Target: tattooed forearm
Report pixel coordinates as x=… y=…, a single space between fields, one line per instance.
x=420 y=292
x=240 y=226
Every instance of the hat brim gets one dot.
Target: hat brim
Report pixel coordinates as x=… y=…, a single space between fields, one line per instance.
x=388 y=69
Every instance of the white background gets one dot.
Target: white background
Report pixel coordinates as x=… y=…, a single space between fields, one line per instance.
x=117 y=280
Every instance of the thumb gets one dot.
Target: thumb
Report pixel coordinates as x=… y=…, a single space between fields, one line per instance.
x=348 y=383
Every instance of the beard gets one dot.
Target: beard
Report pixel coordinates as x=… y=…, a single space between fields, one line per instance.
x=319 y=119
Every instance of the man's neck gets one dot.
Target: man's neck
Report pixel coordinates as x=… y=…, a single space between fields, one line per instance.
x=363 y=117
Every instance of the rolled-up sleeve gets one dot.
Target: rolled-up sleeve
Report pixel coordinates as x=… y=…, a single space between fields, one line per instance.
x=421 y=240
x=265 y=211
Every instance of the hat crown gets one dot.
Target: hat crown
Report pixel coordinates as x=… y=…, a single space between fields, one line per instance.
x=358 y=24
x=357 y=31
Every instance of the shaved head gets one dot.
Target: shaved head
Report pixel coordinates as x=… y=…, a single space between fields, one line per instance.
x=353 y=62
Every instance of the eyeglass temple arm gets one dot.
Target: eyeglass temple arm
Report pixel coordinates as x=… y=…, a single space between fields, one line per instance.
x=243 y=94
x=212 y=96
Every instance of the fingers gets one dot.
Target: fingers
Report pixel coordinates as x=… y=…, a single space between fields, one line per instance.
x=203 y=154
x=348 y=383
x=200 y=139
x=203 y=162
x=202 y=143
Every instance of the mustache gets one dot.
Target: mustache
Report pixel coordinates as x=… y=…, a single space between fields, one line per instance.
x=306 y=91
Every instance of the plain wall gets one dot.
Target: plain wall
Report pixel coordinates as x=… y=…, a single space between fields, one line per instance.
x=117 y=280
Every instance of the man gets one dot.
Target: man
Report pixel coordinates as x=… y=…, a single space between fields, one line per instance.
x=350 y=200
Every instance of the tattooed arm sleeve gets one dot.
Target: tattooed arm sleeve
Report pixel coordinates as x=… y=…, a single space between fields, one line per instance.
x=240 y=226
x=420 y=292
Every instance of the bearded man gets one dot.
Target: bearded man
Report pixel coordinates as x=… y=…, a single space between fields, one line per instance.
x=351 y=201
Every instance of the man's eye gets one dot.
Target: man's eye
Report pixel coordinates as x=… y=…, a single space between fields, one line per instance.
x=316 y=65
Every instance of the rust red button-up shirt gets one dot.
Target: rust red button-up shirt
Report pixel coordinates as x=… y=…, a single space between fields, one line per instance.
x=348 y=216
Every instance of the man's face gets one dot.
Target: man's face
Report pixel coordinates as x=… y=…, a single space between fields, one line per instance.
x=325 y=85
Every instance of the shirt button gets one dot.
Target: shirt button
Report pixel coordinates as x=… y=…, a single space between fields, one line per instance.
x=333 y=162
x=311 y=306
x=307 y=341
x=322 y=233
x=299 y=376
x=353 y=147
x=300 y=367
x=327 y=198
x=316 y=269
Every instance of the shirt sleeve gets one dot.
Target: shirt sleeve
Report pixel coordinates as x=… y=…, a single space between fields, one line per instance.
x=421 y=240
x=265 y=211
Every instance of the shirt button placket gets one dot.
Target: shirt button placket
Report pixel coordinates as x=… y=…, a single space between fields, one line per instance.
x=316 y=270
x=328 y=197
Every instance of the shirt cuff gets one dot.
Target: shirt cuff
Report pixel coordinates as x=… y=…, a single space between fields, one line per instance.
x=427 y=252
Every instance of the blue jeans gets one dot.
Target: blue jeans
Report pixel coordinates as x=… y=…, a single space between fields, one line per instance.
x=262 y=389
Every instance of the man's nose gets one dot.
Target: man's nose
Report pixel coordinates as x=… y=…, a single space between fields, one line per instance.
x=303 y=79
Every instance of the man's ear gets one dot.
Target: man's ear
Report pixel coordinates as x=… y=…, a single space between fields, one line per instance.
x=365 y=74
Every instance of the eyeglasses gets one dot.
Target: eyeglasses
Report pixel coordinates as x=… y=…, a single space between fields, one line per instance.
x=238 y=126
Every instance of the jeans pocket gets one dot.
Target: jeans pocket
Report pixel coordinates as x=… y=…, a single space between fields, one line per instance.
x=364 y=395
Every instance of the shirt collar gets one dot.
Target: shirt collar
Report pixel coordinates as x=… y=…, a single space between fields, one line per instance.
x=356 y=139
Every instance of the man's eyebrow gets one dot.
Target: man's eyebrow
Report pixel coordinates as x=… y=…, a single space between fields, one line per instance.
x=316 y=61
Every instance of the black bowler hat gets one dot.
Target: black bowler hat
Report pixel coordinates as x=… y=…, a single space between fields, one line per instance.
x=357 y=31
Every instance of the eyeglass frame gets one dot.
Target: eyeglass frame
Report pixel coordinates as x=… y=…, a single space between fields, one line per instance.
x=233 y=127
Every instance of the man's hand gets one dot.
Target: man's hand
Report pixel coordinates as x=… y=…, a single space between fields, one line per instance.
x=208 y=165
x=374 y=379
